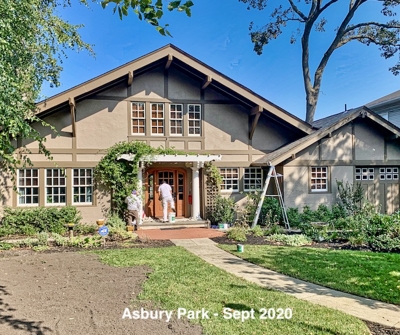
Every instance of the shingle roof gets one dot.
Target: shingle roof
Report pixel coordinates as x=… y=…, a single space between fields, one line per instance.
x=387 y=98
x=326 y=126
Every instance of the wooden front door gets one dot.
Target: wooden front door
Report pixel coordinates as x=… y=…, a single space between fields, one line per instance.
x=176 y=178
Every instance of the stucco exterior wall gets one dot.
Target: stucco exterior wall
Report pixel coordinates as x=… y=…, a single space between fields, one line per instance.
x=101 y=123
x=225 y=127
x=62 y=139
x=393 y=150
x=149 y=84
x=339 y=146
x=270 y=135
x=369 y=143
x=181 y=86
x=296 y=186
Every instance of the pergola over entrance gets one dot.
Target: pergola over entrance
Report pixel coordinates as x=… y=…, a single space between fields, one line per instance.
x=197 y=162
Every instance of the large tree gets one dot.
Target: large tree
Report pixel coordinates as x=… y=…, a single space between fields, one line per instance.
x=310 y=15
x=33 y=41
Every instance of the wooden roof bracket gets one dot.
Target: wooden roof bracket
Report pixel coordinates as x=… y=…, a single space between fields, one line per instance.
x=169 y=61
x=130 y=78
x=207 y=81
x=255 y=115
x=72 y=108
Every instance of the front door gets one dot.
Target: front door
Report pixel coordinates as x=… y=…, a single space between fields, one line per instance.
x=176 y=179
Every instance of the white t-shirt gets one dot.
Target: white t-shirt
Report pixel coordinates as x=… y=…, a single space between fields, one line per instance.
x=134 y=202
x=165 y=190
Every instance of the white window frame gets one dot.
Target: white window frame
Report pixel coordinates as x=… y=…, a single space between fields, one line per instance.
x=193 y=120
x=230 y=176
x=157 y=121
x=26 y=183
x=319 y=177
x=173 y=109
x=80 y=181
x=55 y=182
x=141 y=108
x=252 y=179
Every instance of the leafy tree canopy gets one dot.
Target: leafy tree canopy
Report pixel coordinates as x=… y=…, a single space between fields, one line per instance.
x=309 y=16
x=152 y=13
x=33 y=40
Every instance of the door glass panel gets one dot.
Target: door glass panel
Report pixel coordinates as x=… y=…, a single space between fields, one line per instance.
x=180 y=186
x=151 y=186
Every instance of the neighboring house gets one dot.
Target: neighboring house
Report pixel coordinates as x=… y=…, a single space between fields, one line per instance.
x=168 y=98
x=388 y=107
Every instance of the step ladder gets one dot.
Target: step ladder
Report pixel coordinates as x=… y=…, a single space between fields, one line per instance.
x=272 y=174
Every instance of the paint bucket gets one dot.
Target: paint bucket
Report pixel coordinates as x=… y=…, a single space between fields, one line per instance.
x=221 y=226
x=240 y=248
x=171 y=217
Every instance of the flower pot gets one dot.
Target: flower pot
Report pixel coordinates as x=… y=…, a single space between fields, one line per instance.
x=240 y=247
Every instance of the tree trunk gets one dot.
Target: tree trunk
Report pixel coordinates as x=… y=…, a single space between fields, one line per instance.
x=311 y=106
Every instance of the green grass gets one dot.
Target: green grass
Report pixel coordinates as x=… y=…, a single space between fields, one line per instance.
x=182 y=280
x=367 y=274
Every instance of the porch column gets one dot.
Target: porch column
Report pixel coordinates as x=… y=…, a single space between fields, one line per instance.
x=196 y=191
x=140 y=191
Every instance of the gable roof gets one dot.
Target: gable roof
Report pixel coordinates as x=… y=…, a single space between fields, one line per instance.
x=392 y=97
x=325 y=127
x=166 y=56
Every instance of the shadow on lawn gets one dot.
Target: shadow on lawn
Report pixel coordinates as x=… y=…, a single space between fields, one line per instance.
x=7 y=318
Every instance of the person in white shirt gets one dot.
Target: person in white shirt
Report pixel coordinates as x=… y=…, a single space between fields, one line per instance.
x=134 y=205
x=165 y=195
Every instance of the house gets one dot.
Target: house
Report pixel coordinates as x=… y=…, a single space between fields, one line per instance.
x=168 y=98
x=388 y=107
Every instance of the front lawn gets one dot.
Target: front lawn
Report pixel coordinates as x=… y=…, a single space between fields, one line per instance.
x=368 y=274
x=182 y=280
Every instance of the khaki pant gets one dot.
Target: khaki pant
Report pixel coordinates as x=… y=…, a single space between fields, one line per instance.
x=131 y=216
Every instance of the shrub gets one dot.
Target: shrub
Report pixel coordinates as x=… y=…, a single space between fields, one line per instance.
x=291 y=240
x=224 y=210
x=257 y=231
x=85 y=229
x=6 y=246
x=294 y=217
x=42 y=238
x=237 y=234
x=271 y=211
x=36 y=220
x=114 y=221
x=59 y=240
x=350 y=196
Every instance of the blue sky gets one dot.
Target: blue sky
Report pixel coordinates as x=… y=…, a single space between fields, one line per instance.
x=218 y=35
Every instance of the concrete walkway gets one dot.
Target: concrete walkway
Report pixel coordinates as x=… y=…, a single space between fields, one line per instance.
x=362 y=308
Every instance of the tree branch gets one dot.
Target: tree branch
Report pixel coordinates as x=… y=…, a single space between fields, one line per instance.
x=297 y=10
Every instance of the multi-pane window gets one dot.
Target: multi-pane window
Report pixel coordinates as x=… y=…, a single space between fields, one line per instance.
x=55 y=187
x=252 y=179
x=230 y=179
x=194 y=126
x=82 y=182
x=176 y=119
x=157 y=119
x=319 y=179
x=389 y=173
x=365 y=174
x=138 y=118
x=28 y=187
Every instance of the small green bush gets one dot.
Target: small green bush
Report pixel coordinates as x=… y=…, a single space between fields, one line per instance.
x=114 y=221
x=85 y=229
x=6 y=246
x=59 y=240
x=257 y=231
x=29 y=221
x=291 y=240
x=237 y=234
x=224 y=210
x=271 y=211
x=42 y=238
